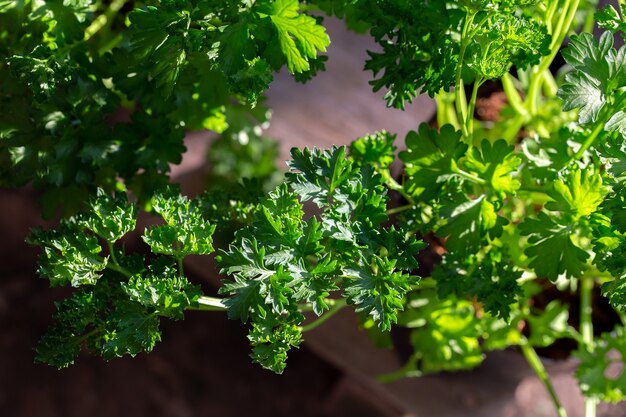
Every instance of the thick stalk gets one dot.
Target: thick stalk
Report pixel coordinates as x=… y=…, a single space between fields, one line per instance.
x=558 y=36
x=446 y=114
x=512 y=95
x=393 y=185
x=459 y=91
x=535 y=363
x=586 y=330
x=470 y=110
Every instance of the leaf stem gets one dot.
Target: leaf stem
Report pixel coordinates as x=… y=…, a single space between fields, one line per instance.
x=459 y=92
x=400 y=209
x=535 y=363
x=114 y=265
x=335 y=308
x=513 y=97
x=393 y=185
x=469 y=176
x=563 y=25
x=470 y=111
x=586 y=329
x=206 y=303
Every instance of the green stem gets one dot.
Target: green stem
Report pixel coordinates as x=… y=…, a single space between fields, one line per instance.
x=459 y=91
x=114 y=265
x=104 y=19
x=205 y=303
x=558 y=36
x=469 y=176
x=409 y=370
x=335 y=308
x=589 y=141
x=512 y=96
x=181 y=270
x=586 y=330
x=535 y=363
x=446 y=114
x=470 y=111
x=400 y=209
x=393 y=185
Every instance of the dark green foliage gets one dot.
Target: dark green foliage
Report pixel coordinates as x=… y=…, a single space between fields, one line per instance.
x=283 y=260
x=188 y=64
x=117 y=309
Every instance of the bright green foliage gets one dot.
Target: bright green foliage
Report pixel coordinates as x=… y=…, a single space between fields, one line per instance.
x=496 y=164
x=69 y=256
x=492 y=280
x=548 y=325
x=608 y=18
x=185 y=231
x=162 y=290
x=469 y=222
x=374 y=149
x=601 y=372
x=110 y=218
x=282 y=260
x=578 y=194
x=445 y=333
x=175 y=65
x=422 y=54
x=556 y=235
x=430 y=159
x=504 y=39
x=553 y=252
x=594 y=85
x=299 y=36
x=538 y=193
x=117 y=309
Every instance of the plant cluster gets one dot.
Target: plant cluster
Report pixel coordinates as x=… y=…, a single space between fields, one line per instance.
x=536 y=198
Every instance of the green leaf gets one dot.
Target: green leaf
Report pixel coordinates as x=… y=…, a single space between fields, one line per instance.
x=492 y=280
x=601 y=372
x=156 y=37
x=271 y=340
x=185 y=232
x=608 y=18
x=579 y=193
x=599 y=73
x=69 y=256
x=548 y=325
x=374 y=149
x=445 y=333
x=377 y=289
x=551 y=249
x=163 y=290
x=64 y=339
x=430 y=159
x=496 y=163
x=299 y=36
x=130 y=329
x=109 y=217
x=468 y=222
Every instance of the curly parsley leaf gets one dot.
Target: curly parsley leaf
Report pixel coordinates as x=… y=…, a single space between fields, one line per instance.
x=186 y=232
